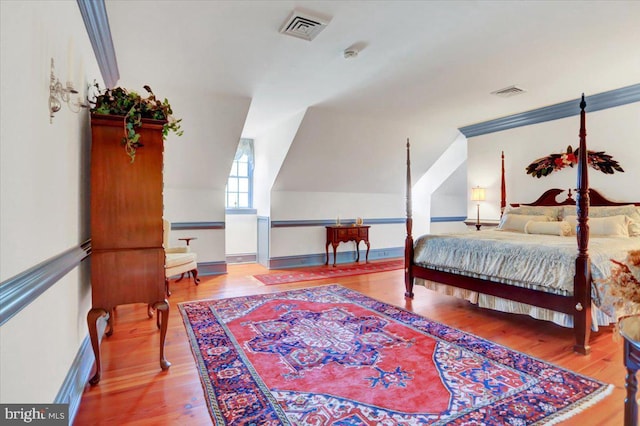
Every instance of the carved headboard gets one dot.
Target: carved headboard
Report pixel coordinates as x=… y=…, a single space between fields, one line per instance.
x=549 y=198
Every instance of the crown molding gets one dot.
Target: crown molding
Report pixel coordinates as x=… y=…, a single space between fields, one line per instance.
x=94 y=15
x=600 y=101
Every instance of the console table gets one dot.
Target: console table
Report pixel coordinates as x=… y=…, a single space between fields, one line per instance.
x=337 y=234
x=630 y=331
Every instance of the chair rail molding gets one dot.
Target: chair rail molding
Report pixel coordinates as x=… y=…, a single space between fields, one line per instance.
x=181 y=226
x=19 y=291
x=329 y=222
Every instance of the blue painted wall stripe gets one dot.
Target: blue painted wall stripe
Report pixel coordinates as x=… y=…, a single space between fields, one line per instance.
x=241 y=211
x=385 y=221
x=327 y=222
x=19 y=291
x=316 y=259
x=242 y=258
x=79 y=373
x=212 y=268
x=600 y=101
x=197 y=225
x=449 y=219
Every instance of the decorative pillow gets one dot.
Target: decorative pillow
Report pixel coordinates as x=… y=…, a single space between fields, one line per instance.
x=548 y=228
x=634 y=225
x=630 y=210
x=601 y=211
x=611 y=226
x=517 y=222
x=551 y=211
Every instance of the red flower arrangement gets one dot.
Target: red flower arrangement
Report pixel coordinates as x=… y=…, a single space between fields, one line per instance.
x=598 y=160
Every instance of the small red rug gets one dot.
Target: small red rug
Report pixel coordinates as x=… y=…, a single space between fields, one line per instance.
x=332 y=356
x=328 y=271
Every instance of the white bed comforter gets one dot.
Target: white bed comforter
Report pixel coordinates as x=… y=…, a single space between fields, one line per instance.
x=540 y=262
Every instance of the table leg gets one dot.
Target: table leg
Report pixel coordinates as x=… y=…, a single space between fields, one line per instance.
x=357 y=251
x=109 y=330
x=92 y=318
x=335 y=246
x=326 y=249
x=367 y=256
x=630 y=403
x=631 y=383
x=162 y=308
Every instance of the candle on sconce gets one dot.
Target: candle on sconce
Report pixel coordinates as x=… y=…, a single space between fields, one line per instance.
x=70 y=61
x=81 y=75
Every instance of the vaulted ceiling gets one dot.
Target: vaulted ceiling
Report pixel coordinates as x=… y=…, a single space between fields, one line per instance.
x=419 y=60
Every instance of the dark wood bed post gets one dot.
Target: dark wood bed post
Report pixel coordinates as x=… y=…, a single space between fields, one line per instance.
x=582 y=279
x=503 y=190
x=408 y=243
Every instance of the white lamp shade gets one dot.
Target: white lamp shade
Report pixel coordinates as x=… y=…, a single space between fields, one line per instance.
x=477 y=194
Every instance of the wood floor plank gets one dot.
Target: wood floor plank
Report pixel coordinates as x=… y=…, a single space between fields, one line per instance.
x=134 y=391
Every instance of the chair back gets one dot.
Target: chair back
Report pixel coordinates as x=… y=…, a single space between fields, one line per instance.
x=166 y=228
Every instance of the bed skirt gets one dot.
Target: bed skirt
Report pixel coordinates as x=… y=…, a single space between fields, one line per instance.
x=599 y=318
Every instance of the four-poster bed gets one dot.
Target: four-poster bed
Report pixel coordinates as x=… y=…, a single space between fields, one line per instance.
x=574 y=300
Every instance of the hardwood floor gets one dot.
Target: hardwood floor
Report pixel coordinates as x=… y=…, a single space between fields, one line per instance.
x=134 y=390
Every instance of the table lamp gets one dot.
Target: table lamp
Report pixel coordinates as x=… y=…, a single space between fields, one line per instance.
x=477 y=194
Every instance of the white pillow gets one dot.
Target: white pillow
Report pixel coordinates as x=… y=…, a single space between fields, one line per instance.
x=599 y=211
x=517 y=222
x=610 y=226
x=551 y=211
x=633 y=212
x=634 y=224
x=548 y=228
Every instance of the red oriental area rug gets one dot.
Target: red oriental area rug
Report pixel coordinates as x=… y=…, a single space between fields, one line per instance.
x=328 y=271
x=331 y=356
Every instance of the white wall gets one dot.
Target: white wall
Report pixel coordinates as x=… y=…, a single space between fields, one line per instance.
x=294 y=205
x=270 y=149
x=450 y=200
x=342 y=153
x=340 y=164
x=44 y=170
x=425 y=196
x=197 y=164
x=242 y=234
x=614 y=130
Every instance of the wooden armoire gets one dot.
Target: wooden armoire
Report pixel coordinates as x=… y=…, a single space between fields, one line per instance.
x=127 y=257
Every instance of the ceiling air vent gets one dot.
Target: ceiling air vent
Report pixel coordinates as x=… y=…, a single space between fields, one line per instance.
x=303 y=25
x=508 y=91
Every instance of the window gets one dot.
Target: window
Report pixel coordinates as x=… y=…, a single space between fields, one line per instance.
x=239 y=191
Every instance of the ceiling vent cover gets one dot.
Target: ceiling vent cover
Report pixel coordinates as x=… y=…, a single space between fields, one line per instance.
x=303 y=25
x=509 y=91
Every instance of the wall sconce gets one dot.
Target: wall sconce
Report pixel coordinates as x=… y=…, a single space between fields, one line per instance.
x=478 y=194
x=59 y=93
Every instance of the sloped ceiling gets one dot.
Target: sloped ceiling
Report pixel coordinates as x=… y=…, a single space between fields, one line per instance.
x=424 y=64
x=420 y=58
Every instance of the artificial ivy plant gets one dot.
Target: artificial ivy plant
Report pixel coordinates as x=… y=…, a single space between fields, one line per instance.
x=134 y=108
